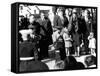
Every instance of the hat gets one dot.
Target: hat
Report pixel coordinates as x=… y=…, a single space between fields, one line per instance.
x=25 y=32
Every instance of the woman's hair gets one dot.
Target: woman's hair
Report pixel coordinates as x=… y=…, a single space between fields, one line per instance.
x=61 y=9
x=90 y=60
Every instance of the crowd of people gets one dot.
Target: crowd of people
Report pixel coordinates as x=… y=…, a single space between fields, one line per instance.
x=71 y=31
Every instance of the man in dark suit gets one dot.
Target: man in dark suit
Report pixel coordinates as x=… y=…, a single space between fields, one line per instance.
x=46 y=33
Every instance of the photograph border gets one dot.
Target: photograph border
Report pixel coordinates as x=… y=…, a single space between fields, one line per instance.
x=46 y=4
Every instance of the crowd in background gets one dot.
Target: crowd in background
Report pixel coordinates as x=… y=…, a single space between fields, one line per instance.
x=71 y=31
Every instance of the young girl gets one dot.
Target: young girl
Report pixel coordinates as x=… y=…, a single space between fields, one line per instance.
x=92 y=43
x=67 y=39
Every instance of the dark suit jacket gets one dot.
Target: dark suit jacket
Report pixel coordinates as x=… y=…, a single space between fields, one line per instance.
x=57 y=21
x=36 y=26
x=46 y=30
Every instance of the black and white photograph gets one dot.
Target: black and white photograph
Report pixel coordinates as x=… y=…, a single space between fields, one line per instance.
x=55 y=37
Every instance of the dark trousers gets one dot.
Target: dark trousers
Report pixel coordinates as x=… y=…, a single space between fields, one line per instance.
x=62 y=53
x=43 y=49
